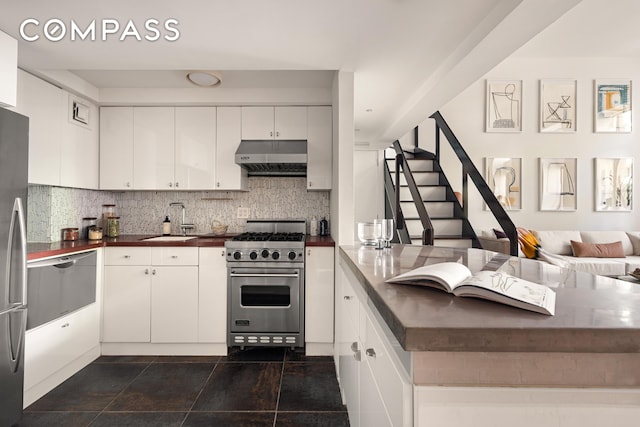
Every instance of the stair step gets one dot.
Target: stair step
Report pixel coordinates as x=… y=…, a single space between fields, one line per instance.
x=443 y=209
x=441 y=227
x=416 y=165
x=421 y=178
x=428 y=193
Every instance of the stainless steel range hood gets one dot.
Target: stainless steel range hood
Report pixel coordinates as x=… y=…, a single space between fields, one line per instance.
x=273 y=158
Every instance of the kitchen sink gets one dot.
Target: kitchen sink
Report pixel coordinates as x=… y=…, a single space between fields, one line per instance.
x=169 y=239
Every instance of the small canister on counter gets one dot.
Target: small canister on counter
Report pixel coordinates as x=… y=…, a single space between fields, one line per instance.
x=87 y=223
x=107 y=211
x=95 y=233
x=113 y=226
x=69 y=234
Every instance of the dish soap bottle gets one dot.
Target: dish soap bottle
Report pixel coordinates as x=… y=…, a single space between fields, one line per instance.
x=166 y=226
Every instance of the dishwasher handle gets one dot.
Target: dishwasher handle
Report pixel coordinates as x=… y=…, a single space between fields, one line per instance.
x=59 y=262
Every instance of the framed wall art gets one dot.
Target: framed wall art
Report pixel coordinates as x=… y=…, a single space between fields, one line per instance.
x=612 y=106
x=614 y=184
x=504 y=106
x=504 y=174
x=558 y=105
x=558 y=190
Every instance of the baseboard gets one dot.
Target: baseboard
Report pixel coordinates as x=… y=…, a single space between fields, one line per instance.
x=156 y=349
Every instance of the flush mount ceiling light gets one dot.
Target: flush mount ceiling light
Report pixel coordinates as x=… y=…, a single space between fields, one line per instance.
x=204 y=78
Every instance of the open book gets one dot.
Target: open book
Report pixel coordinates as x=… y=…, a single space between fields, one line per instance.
x=496 y=286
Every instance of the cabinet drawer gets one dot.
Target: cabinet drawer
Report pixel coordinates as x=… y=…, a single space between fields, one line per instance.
x=127 y=256
x=396 y=391
x=169 y=255
x=50 y=347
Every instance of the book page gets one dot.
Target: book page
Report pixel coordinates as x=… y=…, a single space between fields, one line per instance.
x=448 y=274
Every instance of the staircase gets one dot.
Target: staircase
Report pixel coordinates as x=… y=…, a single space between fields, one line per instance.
x=450 y=226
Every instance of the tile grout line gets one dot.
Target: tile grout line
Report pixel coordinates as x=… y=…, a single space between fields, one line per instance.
x=275 y=415
x=199 y=393
x=121 y=391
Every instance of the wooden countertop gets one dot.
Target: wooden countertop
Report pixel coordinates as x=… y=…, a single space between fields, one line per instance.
x=43 y=250
x=594 y=314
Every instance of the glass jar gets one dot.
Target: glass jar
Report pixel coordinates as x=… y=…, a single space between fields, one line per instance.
x=113 y=226
x=87 y=223
x=107 y=211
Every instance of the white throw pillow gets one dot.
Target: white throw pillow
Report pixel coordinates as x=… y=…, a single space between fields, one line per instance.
x=557 y=241
x=634 y=236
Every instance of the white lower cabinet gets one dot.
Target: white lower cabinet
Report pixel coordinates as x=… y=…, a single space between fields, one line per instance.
x=153 y=300
x=212 y=304
x=376 y=391
x=319 y=295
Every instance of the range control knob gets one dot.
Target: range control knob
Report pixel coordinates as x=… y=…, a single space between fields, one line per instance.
x=275 y=255
x=292 y=255
x=237 y=255
x=265 y=253
x=253 y=255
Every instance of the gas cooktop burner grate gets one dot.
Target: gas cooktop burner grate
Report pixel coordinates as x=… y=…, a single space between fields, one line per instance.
x=269 y=237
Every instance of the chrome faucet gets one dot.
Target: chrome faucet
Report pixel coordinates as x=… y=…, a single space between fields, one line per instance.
x=183 y=226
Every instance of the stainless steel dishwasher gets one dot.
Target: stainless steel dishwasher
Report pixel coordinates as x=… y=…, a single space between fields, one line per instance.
x=61 y=285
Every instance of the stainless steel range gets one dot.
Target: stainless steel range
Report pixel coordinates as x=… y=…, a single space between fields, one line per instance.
x=265 y=269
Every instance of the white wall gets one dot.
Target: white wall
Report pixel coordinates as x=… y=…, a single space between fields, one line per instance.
x=466 y=116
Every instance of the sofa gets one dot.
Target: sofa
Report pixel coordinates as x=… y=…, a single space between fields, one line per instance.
x=557 y=249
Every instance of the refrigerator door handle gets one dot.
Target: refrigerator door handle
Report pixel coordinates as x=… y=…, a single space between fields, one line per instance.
x=16 y=347
x=18 y=212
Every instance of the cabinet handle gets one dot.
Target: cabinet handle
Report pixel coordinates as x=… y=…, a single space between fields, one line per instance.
x=354 y=346
x=177 y=184
x=222 y=253
x=174 y=256
x=127 y=256
x=128 y=184
x=153 y=272
x=217 y=184
x=308 y=252
x=370 y=352
x=171 y=184
x=271 y=134
x=146 y=271
x=310 y=184
x=357 y=356
x=66 y=325
x=277 y=133
x=348 y=297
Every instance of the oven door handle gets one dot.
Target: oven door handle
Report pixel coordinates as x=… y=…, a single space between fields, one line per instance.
x=294 y=275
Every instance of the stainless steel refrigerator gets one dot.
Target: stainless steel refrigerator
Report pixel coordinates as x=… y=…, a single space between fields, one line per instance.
x=14 y=149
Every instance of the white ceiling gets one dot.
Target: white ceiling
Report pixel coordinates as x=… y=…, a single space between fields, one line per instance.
x=402 y=52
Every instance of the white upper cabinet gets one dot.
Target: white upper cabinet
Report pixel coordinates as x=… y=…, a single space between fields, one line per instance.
x=43 y=104
x=8 y=70
x=116 y=148
x=274 y=123
x=153 y=148
x=195 y=148
x=319 y=148
x=229 y=176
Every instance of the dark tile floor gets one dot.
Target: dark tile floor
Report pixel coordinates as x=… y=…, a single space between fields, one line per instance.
x=255 y=387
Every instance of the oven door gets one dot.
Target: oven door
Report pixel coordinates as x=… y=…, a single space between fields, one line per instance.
x=265 y=300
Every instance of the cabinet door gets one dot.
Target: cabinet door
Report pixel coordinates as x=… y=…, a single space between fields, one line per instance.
x=116 y=148
x=195 y=148
x=319 y=291
x=229 y=176
x=290 y=123
x=349 y=357
x=174 y=304
x=153 y=148
x=372 y=410
x=257 y=123
x=127 y=304
x=319 y=148
x=8 y=70
x=80 y=152
x=212 y=302
x=43 y=104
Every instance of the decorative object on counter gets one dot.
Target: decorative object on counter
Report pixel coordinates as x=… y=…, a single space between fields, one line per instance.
x=95 y=233
x=387 y=231
x=70 y=234
x=166 y=226
x=107 y=211
x=87 y=223
x=218 y=228
x=324 y=227
x=378 y=228
x=313 y=226
x=365 y=234
x=113 y=226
